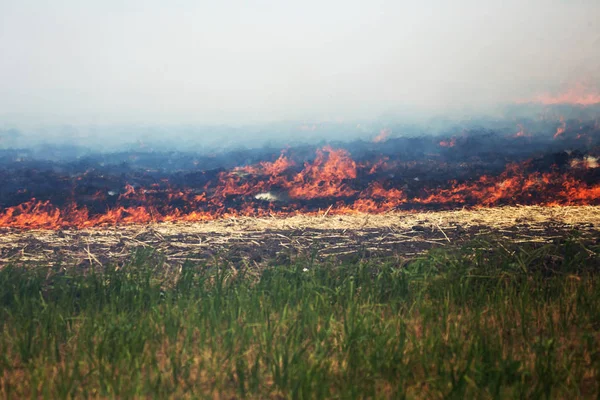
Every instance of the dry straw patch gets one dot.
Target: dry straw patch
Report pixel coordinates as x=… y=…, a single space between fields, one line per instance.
x=254 y=240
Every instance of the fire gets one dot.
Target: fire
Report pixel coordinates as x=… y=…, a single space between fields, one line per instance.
x=521 y=132
x=376 y=198
x=448 y=143
x=510 y=186
x=325 y=177
x=333 y=179
x=577 y=95
x=382 y=136
x=32 y=214
x=561 y=129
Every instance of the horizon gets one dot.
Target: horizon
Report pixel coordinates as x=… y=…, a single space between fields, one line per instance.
x=263 y=62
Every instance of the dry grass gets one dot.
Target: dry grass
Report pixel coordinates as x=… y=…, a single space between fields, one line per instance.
x=499 y=217
x=255 y=240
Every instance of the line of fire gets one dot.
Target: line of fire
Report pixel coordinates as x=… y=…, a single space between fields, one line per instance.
x=553 y=162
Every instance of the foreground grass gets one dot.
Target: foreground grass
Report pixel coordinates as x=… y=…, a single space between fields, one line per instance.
x=476 y=322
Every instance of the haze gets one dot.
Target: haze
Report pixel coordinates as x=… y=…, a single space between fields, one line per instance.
x=238 y=62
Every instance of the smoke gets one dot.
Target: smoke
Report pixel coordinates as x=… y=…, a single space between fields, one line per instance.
x=237 y=62
x=196 y=75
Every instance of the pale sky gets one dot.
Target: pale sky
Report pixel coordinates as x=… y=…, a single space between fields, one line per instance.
x=235 y=62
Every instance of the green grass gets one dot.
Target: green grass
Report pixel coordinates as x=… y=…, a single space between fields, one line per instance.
x=490 y=320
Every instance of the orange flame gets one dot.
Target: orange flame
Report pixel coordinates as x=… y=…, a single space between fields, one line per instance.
x=577 y=95
x=561 y=129
x=448 y=143
x=333 y=177
x=382 y=136
x=521 y=132
x=325 y=176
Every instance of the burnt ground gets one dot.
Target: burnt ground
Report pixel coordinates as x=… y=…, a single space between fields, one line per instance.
x=258 y=241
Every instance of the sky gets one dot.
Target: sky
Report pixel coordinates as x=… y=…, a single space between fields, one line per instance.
x=237 y=62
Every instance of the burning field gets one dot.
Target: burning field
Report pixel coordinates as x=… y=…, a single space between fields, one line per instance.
x=409 y=265
x=300 y=200
x=473 y=169
x=390 y=195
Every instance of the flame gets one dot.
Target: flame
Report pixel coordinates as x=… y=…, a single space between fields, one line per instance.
x=376 y=198
x=577 y=95
x=325 y=176
x=561 y=129
x=521 y=132
x=382 y=136
x=381 y=164
x=332 y=179
x=514 y=187
x=448 y=143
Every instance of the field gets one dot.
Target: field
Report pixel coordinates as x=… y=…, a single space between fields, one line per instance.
x=487 y=313
x=257 y=241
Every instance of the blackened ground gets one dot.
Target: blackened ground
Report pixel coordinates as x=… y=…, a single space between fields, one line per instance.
x=474 y=152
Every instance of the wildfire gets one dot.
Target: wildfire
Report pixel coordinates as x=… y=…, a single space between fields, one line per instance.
x=324 y=177
x=561 y=129
x=448 y=143
x=333 y=179
x=521 y=132
x=382 y=136
x=577 y=95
